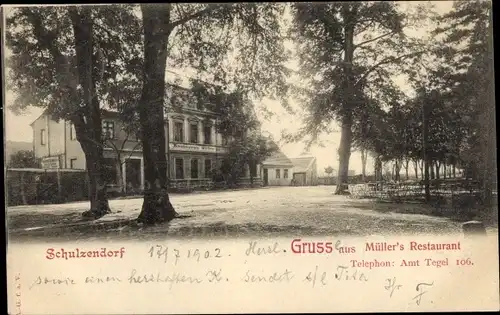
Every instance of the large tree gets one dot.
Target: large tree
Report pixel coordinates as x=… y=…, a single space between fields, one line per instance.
x=466 y=67
x=65 y=60
x=347 y=49
x=204 y=37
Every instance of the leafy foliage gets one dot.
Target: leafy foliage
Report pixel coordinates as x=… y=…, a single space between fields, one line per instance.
x=379 y=50
x=248 y=151
x=24 y=159
x=452 y=96
x=35 y=34
x=237 y=46
x=328 y=170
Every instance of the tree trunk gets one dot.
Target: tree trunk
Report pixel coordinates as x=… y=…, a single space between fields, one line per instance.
x=444 y=170
x=156 y=207
x=488 y=125
x=407 y=162
x=346 y=112
x=427 y=181
x=438 y=168
x=431 y=166
x=99 y=204
x=344 y=155
x=398 y=170
x=454 y=171
x=415 y=168
x=364 y=156
x=119 y=173
x=89 y=132
x=378 y=172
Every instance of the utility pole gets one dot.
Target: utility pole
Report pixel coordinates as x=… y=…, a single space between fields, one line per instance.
x=424 y=149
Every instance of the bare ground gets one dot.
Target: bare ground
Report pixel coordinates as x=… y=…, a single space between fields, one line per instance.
x=266 y=212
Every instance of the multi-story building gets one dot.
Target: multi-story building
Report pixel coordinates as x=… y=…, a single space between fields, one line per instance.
x=194 y=147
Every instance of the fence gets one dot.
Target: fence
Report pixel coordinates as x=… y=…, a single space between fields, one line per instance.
x=352 y=180
x=454 y=192
x=415 y=189
x=43 y=186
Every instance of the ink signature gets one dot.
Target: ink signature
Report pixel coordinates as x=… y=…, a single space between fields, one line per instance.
x=421 y=289
x=392 y=286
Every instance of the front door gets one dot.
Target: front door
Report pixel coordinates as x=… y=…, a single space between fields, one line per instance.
x=299 y=179
x=265 y=177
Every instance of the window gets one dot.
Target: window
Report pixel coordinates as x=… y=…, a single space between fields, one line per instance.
x=193 y=132
x=278 y=173
x=179 y=168
x=108 y=129
x=42 y=137
x=178 y=131
x=72 y=132
x=208 y=168
x=194 y=168
x=285 y=173
x=207 y=132
x=72 y=163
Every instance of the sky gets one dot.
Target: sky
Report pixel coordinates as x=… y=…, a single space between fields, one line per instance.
x=17 y=127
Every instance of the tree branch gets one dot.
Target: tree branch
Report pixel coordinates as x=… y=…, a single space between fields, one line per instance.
x=386 y=61
x=108 y=141
x=125 y=141
x=373 y=39
x=86 y=138
x=133 y=149
x=189 y=17
x=65 y=78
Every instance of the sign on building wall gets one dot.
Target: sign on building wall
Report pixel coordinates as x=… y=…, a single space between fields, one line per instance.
x=51 y=162
x=195 y=148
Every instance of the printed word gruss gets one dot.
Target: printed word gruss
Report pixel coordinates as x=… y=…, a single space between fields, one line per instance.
x=301 y=247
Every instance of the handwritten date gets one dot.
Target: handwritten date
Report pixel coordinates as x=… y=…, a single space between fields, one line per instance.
x=166 y=253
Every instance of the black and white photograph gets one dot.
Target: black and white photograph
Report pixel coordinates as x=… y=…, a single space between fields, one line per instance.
x=188 y=120
x=186 y=158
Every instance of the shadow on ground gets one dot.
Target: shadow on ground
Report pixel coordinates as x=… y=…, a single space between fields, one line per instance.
x=488 y=216
x=35 y=220
x=191 y=227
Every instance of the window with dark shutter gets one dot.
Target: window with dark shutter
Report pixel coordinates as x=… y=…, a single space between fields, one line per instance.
x=207 y=131
x=42 y=137
x=179 y=168
x=194 y=168
x=178 y=131
x=193 y=133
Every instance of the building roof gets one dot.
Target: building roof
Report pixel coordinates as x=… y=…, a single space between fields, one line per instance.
x=302 y=164
x=41 y=115
x=106 y=113
x=278 y=158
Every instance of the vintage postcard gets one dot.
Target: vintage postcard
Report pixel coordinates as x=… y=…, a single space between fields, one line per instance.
x=186 y=158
